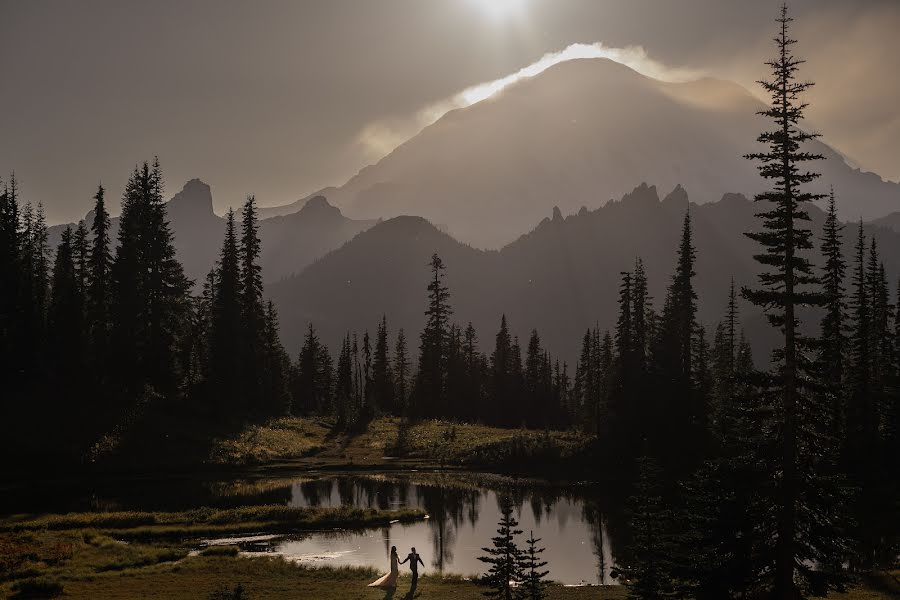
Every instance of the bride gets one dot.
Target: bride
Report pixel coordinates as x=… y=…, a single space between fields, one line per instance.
x=389 y=580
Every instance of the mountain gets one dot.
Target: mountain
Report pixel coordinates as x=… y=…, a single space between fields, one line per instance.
x=289 y=243
x=577 y=134
x=562 y=277
x=891 y=221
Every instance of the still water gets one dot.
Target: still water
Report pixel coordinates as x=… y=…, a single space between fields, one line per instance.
x=462 y=517
x=580 y=525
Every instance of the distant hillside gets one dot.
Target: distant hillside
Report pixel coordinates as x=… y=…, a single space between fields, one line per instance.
x=891 y=221
x=289 y=243
x=561 y=278
x=579 y=133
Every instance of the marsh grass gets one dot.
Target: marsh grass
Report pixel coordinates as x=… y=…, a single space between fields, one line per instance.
x=134 y=525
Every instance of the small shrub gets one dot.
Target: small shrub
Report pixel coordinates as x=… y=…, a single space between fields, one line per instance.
x=37 y=588
x=220 y=551
x=225 y=593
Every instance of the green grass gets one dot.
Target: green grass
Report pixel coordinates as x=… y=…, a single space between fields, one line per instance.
x=387 y=441
x=280 y=439
x=87 y=563
x=199 y=522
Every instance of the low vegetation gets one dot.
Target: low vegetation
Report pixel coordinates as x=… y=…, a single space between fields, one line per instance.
x=198 y=522
x=85 y=564
x=389 y=441
x=279 y=439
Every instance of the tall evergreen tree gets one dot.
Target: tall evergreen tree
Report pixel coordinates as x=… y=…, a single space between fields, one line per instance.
x=149 y=305
x=312 y=393
x=65 y=321
x=226 y=367
x=653 y=548
x=533 y=585
x=97 y=298
x=401 y=373
x=344 y=401
x=431 y=385
x=10 y=277
x=253 y=310
x=803 y=524
x=276 y=366
x=504 y=558
x=382 y=372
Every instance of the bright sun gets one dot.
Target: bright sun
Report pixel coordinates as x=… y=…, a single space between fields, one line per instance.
x=500 y=10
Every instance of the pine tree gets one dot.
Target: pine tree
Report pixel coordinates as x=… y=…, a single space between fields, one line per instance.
x=382 y=373
x=10 y=278
x=149 y=306
x=311 y=386
x=431 y=384
x=504 y=558
x=344 y=405
x=226 y=323
x=401 y=373
x=252 y=309
x=276 y=366
x=681 y=414
x=535 y=406
x=650 y=567
x=65 y=320
x=97 y=298
x=533 y=585
x=803 y=521
x=502 y=384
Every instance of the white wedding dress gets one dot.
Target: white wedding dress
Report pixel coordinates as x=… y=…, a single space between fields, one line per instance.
x=389 y=580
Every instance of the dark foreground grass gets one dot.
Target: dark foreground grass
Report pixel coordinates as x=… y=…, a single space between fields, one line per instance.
x=75 y=563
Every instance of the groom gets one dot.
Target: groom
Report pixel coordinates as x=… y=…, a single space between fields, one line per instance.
x=414 y=560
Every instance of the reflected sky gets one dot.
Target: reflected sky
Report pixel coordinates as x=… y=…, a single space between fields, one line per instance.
x=460 y=523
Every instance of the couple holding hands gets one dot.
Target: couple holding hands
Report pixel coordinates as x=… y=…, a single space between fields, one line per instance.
x=390 y=580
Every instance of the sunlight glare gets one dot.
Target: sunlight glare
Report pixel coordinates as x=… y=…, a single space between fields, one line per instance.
x=500 y=10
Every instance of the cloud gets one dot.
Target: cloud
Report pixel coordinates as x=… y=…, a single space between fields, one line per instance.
x=381 y=137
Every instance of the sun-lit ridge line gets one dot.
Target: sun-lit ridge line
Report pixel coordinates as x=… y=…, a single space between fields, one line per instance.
x=383 y=137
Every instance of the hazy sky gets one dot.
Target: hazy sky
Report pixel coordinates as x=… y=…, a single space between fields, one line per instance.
x=282 y=98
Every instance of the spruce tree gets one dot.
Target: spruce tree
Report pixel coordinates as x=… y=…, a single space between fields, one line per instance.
x=679 y=417
x=533 y=584
x=10 y=278
x=149 y=306
x=344 y=405
x=97 y=298
x=253 y=311
x=534 y=406
x=504 y=557
x=803 y=519
x=401 y=373
x=65 y=321
x=382 y=372
x=226 y=367
x=651 y=554
x=501 y=385
x=276 y=366
x=310 y=394
x=431 y=384
x=832 y=338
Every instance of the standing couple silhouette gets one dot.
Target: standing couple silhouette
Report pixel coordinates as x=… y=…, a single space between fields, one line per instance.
x=389 y=581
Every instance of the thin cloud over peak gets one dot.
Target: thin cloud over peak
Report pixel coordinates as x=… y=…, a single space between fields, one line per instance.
x=381 y=137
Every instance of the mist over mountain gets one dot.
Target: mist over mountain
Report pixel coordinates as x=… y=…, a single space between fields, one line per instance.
x=581 y=132
x=289 y=243
x=562 y=277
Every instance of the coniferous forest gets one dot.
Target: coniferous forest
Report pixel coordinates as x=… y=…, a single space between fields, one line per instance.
x=778 y=477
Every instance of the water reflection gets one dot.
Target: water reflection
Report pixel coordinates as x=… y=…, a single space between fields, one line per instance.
x=581 y=526
x=462 y=519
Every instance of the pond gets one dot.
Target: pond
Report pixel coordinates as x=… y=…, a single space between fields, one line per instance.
x=578 y=524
